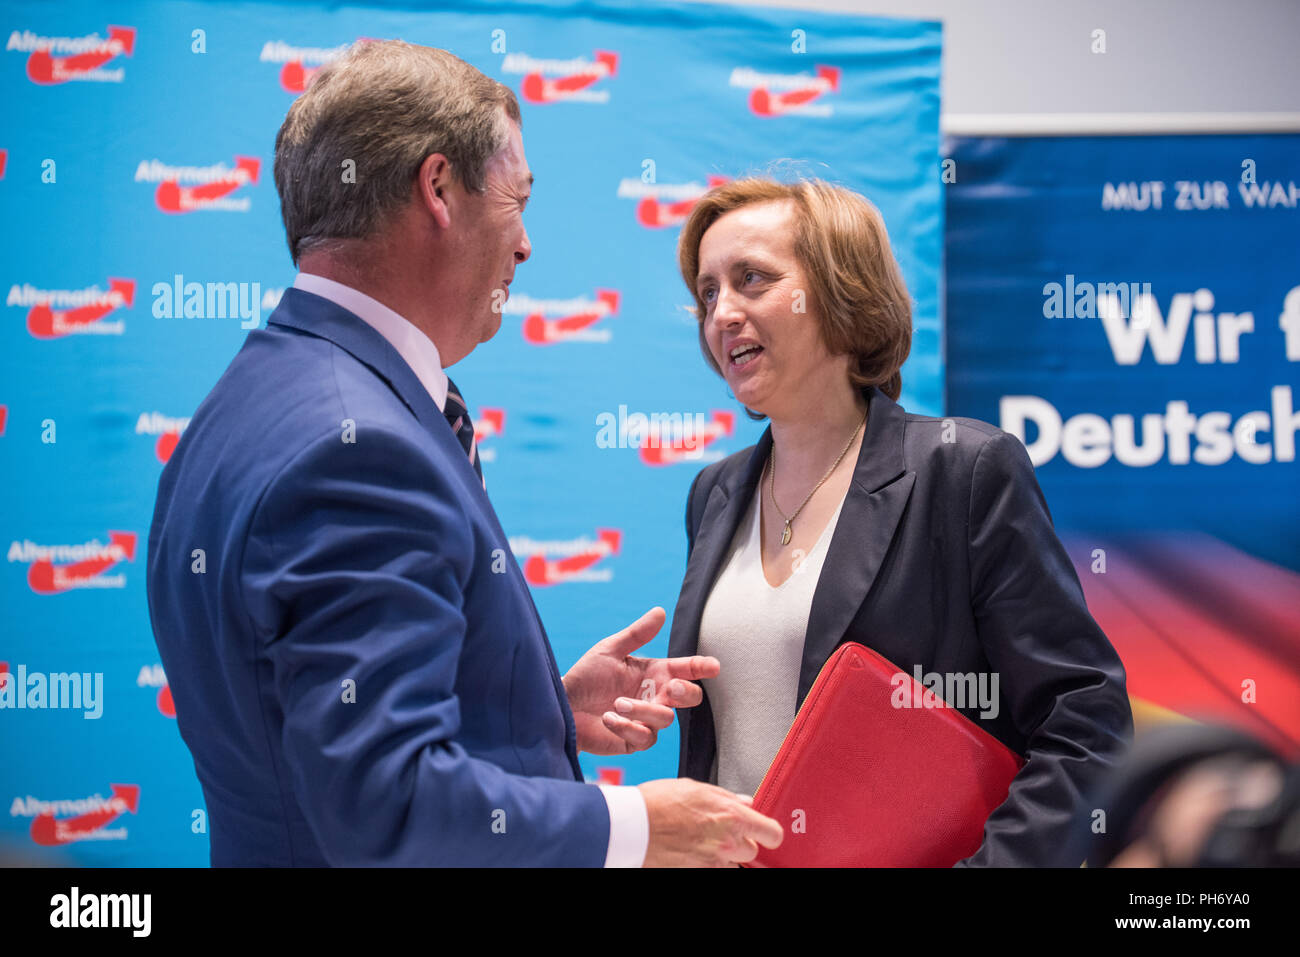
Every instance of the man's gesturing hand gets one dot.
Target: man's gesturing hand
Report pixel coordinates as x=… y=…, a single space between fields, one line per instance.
x=698 y=825
x=621 y=703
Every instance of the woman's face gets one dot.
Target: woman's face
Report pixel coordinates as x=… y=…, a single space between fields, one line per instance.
x=759 y=322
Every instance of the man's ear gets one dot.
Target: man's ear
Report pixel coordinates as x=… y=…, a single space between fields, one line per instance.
x=433 y=188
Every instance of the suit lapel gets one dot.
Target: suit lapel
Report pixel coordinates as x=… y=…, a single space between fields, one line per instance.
x=321 y=317
x=872 y=508
x=318 y=316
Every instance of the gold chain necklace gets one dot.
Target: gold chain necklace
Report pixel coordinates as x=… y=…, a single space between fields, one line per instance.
x=771 y=485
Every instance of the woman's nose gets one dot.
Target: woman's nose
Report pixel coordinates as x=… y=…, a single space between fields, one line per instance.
x=726 y=310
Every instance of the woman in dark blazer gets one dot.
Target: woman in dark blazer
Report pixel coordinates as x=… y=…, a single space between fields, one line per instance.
x=925 y=539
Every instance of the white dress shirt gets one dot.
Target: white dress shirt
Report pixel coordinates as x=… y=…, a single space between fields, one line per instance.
x=629 y=822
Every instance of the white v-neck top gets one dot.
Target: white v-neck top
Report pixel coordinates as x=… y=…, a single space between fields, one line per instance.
x=757 y=634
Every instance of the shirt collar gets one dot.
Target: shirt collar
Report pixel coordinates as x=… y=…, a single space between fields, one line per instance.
x=415 y=348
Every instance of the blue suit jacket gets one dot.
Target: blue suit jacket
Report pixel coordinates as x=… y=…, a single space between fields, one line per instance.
x=357 y=665
x=944 y=556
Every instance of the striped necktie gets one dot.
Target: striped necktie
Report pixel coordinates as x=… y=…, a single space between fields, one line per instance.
x=457 y=413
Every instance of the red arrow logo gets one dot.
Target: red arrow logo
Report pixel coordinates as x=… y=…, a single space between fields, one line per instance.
x=653 y=214
x=46 y=578
x=44 y=323
x=4 y=417
x=4 y=157
x=294 y=77
x=541 y=331
x=489 y=423
x=46 y=69
x=765 y=103
x=165 y=704
x=538 y=89
x=166 y=445
x=655 y=451
x=172 y=197
x=49 y=831
x=539 y=570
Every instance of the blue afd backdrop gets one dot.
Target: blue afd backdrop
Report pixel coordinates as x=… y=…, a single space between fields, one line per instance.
x=136 y=159
x=1163 y=425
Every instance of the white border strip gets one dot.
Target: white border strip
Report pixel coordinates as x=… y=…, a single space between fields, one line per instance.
x=1114 y=124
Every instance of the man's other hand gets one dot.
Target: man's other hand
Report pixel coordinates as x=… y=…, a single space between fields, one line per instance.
x=693 y=824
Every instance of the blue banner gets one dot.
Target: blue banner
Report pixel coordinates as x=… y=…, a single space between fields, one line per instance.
x=142 y=240
x=1130 y=308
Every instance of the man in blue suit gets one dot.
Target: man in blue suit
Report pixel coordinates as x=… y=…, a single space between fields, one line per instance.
x=357 y=665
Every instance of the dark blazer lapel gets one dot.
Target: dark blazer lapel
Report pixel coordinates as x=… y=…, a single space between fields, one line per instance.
x=726 y=506
x=872 y=508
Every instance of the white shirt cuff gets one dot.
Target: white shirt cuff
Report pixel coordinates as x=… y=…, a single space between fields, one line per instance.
x=629 y=826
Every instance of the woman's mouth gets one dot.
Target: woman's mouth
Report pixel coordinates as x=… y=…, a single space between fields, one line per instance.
x=744 y=355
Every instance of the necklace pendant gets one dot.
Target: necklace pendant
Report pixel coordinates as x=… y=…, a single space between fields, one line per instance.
x=785 y=535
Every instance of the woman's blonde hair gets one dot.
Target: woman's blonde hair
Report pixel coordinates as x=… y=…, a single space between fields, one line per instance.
x=841 y=244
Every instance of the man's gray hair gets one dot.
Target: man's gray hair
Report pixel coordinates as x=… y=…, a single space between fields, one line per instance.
x=384 y=106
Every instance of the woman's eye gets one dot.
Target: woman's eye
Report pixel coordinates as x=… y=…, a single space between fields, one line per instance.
x=708 y=295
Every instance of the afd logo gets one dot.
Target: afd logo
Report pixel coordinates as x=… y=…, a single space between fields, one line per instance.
x=53 y=569
x=153 y=676
x=571 y=560
x=299 y=65
x=665 y=438
x=675 y=443
x=54 y=313
x=166 y=429
x=85 y=57
x=210 y=186
x=87 y=820
x=550 y=321
x=488 y=424
x=788 y=94
x=562 y=81
x=661 y=205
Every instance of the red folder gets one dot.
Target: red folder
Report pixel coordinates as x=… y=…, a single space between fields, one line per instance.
x=861 y=782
